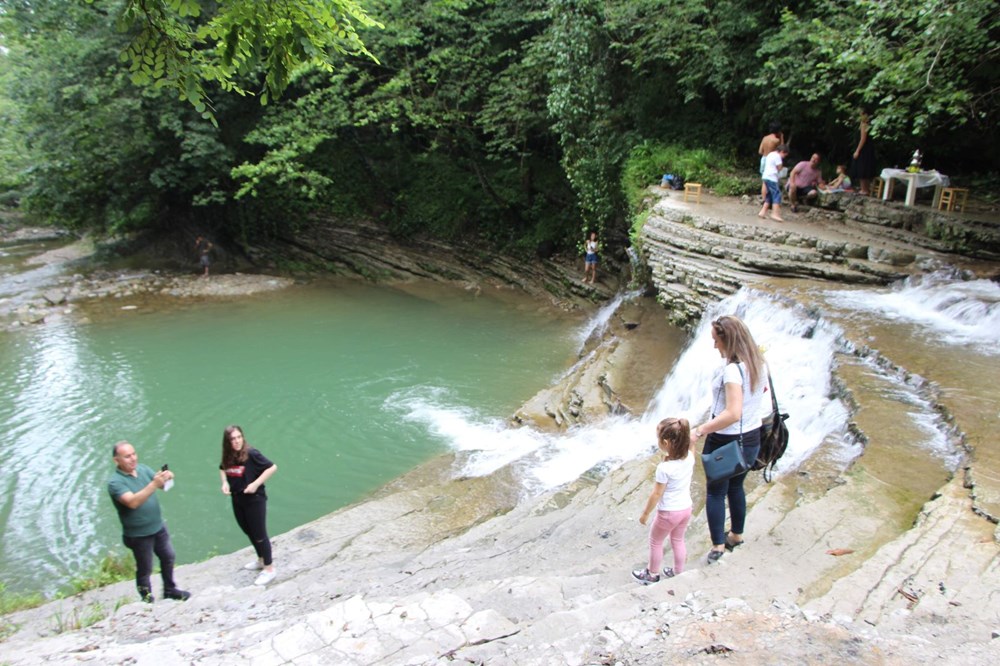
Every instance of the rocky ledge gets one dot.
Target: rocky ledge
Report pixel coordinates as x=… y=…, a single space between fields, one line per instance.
x=51 y=292
x=698 y=254
x=436 y=569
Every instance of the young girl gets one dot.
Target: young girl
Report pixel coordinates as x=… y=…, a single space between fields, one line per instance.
x=842 y=183
x=671 y=497
x=590 y=261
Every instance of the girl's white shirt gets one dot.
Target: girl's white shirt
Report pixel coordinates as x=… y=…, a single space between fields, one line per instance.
x=676 y=474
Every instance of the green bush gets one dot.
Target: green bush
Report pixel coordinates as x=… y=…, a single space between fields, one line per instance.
x=715 y=169
x=984 y=186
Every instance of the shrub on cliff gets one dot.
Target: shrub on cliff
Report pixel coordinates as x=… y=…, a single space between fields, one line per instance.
x=716 y=169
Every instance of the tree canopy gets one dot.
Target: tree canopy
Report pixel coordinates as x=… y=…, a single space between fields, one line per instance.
x=507 y=120
x=187 y=44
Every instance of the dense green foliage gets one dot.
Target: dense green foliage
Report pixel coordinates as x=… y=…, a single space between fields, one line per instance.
x=519 y=122
x=716 y=169
x=176 y=43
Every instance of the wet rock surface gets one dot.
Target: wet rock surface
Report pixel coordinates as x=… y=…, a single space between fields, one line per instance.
x=435 y=569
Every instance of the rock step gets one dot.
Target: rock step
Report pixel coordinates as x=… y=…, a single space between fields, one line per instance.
x=367 y=249
x=765 y=249
x=918 y=574
x=700 y=253
x=970 y=234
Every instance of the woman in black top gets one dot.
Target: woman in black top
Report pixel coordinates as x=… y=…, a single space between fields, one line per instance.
x=244 y=470
x=863 y=166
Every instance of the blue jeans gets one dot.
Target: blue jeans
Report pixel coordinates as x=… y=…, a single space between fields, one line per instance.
x=773 y=195
x=143 y=548
x=717 y=492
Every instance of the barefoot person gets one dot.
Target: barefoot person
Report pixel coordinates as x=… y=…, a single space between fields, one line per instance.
x=805 y=181
x=863 y=165
x=842 y=183
x=768 y=144
x=772 y=171
x=133 y=491
x=244 y=470
x=671 y=497
x=737 y=409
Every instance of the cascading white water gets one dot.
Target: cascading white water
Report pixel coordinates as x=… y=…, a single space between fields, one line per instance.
x=945 y=306
x=800 y=350
x=597 y=324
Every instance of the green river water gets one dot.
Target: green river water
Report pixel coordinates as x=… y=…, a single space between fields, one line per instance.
x=321 y=377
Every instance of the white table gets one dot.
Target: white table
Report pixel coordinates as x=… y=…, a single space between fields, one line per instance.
x=913 y=181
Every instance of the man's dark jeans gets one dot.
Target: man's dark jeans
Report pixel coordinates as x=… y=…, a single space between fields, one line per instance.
x=144 y=548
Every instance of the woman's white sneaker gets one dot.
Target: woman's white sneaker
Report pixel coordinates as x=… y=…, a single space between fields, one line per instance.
x=253 y=566
x=265 y=577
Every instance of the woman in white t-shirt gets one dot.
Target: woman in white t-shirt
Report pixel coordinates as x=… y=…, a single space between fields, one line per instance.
x=671 y=497
x=738 y=406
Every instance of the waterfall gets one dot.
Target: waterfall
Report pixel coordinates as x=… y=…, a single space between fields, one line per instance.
x=599 y=322
x=800 y=350
x=944 y=305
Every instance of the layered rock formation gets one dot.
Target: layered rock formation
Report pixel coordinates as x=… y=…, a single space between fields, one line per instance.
x=438 y=570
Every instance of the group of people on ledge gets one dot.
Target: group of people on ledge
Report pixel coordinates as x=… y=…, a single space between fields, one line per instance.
x=739 y=404
x=133 y=489
x=805 y=181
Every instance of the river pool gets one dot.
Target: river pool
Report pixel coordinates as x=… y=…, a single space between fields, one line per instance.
x=322 y=378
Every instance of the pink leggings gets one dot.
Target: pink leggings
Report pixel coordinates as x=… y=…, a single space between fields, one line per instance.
x=674 y=524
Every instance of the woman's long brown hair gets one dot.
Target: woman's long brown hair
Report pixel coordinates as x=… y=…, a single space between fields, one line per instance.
x=738 y=345
x=230 y=456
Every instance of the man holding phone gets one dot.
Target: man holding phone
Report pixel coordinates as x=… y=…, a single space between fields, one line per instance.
x=133 y=492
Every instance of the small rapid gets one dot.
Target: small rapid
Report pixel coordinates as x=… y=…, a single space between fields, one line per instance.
x=800 y=349
x=947 y=307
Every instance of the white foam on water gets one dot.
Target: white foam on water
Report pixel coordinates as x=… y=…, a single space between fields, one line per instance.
x=597 y=324
x=800 y=348
x=946 y=307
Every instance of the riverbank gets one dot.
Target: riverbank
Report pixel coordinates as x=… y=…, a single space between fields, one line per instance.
x=53 y=291
x=436 y=569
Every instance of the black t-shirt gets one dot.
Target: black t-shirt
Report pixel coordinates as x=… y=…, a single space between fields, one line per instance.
x=240 y=476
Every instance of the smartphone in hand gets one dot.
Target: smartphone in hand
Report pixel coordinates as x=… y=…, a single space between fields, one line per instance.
x=170 y=482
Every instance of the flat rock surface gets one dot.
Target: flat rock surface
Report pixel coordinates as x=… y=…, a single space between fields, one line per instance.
x=439 y=570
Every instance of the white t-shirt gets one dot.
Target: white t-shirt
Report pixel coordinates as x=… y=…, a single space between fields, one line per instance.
x=754 y=406
x=676 y=474
x=772 y=164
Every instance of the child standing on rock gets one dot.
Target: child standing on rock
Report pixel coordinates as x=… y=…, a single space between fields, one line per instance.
x=671 y=497
x=772 y=170
x=590 y=261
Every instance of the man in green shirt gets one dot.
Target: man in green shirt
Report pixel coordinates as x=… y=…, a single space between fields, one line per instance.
x=133 y=492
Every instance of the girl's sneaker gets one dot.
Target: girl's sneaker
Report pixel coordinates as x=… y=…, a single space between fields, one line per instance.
x=265 y=577
x=644 y=577
x=668 y=572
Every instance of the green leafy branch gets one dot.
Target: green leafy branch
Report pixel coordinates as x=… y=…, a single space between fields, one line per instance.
x=176 y=43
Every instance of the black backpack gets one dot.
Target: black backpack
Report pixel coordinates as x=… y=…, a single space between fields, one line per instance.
x=773 y=438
